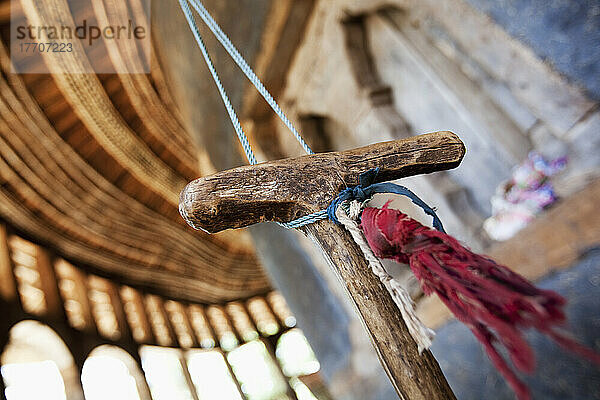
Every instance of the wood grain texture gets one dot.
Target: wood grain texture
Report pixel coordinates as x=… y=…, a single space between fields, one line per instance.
x=287 y=189
x=93 y=107
x=414 y=376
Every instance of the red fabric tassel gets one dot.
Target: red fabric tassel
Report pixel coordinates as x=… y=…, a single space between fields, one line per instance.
x=493 y=301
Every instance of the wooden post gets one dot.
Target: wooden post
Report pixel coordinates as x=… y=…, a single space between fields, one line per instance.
x=8 y=290
x=287 y=189
x=414 y=376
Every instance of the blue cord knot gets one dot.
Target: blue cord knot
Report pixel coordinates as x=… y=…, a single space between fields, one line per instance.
x=367 y=188
x=363 y=192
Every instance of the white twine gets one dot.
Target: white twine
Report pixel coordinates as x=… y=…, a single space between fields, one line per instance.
x=419 y=332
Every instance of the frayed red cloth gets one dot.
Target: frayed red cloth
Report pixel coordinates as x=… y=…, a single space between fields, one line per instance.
x=493 y=301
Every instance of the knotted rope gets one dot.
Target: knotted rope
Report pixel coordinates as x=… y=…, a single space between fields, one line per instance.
x=345 y=209
x=363 y=192
x=419 y=332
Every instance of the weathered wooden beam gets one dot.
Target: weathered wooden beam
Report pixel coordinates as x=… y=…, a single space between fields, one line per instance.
x=287 y=189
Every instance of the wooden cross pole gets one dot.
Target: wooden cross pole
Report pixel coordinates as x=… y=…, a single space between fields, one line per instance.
x=284 y=190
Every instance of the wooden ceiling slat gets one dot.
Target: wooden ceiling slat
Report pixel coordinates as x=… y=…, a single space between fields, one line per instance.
x=137 y=316
x=119 y=310
x=49 y=285
x=103 y=309
x=128 y=216
x=8 y=290
x=160 y=123
x=241 y=321
x=78 y=293
x=112 y=231
x=55 y=218
x=5 y=12
x=105 y=195
x=203 y=331
x=180 y=323
x=47 y=208
x=174 y=285
x=159 y=320
x=111 y=312
x=27 y=277
x=279 y=307
x=51 y=201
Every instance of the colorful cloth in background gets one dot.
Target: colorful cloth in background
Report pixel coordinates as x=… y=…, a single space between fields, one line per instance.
x=518 y=201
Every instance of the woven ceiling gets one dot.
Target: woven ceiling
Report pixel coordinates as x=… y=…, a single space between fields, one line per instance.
x=91 y=166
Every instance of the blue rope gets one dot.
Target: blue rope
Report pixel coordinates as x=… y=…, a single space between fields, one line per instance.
x=246 y=69
x=305 y=220
x=232 y=115
x=363 y=192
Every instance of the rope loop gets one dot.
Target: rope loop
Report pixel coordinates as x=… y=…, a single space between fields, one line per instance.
x=419 y=332
x=362 y=193
x=366 y=189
